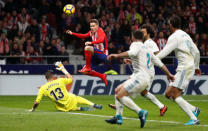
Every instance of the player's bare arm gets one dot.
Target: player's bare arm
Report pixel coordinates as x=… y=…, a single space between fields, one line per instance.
x=69 y=32
x=170 y=77
x=88 y=43
x=34 y=107
x=127 y=61
x=116 y=56
x=198 y=72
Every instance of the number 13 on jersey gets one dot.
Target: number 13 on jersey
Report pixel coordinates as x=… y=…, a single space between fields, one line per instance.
x=59 y=92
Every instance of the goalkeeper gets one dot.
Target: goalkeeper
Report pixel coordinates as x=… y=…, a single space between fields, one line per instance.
x=56 y=91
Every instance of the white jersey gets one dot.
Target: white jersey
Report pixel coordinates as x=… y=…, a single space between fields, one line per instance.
x=142 y=58
x=185 y=50
x=152 y=47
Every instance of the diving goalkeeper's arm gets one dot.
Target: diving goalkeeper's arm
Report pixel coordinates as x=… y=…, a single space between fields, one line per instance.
x=60 y=67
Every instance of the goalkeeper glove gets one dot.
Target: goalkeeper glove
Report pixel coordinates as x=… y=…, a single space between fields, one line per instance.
x=60 y=67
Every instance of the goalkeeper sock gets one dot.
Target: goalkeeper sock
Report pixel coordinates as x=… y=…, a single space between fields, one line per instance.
x=88 y=56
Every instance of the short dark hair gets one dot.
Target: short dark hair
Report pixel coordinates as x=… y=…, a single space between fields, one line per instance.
x=94 y=21
x=138 y=34
x=175 y=21
x=49 y=74
x=149 y=28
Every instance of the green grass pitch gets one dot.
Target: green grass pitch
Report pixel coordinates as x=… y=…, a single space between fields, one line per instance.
x=14 y=115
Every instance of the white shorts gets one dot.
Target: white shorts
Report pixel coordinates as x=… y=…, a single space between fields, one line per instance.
x=182 y=78
x=150 y=84
x=135 y=85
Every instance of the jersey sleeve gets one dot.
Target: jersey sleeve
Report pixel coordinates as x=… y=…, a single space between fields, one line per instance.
x=101 y=37
x=133 y=50
x=81 y=35
x=156 y=61
x=169 y=47
x=154 y=47
x=40 y=95
x=65 y=80
x=196 y=54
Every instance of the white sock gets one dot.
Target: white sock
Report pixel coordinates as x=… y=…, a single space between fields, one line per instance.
x=183 y=104
x=119 y=107
x=154 y=100
x=128 y=102
x=193 y=108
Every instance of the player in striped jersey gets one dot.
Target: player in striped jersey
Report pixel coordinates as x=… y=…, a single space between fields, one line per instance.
x=95 y=51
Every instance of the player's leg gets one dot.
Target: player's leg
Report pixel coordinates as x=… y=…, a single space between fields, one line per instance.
x=88 y=52
x=81 y=100
x=97 y=74
x=98 y=57
x=175 y=90
x=154 y=100
x=123 y=97
x=122 y=93
x=175 y=94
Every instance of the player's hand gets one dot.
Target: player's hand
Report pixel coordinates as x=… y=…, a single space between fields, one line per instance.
x=198 y=72
x=59 y=66
x=31 y=110
x=88 y=43
x=69 y=32
x=171 y=77
x=127 y=61
x=112 y=56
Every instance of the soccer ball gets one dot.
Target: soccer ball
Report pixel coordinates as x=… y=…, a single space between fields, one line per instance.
x=69 y=9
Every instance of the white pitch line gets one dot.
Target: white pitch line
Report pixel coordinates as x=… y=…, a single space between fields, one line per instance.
x=198 y=100
x=84 y=114
x=127 y=118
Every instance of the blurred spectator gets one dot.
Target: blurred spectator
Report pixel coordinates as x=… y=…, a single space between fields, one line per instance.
x=22 y=24
x=201 y=26
x=34 y=29
x=161 y=41
x=65 y=54
x=15 y=55
x=133 y=15
x=44 y=29
x=192 y=25
x=117 y=35
x=4 y=45
x=32 y=57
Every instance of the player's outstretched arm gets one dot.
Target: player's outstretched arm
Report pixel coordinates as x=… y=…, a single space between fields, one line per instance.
x=60 y=67
x=78 y=34
x=68 y=32
x=116 y=56
x=34 y=107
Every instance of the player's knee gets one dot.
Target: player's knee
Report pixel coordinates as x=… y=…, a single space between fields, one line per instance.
x=168 y=95
x=89 y=48
x=143 y=93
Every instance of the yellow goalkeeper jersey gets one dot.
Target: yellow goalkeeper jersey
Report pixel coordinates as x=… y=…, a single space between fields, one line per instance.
x=57 y=92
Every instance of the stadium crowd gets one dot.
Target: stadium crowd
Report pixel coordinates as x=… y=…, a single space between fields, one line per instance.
x=36 y=27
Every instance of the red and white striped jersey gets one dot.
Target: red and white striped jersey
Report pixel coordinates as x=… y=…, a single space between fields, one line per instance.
x=99 y=39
